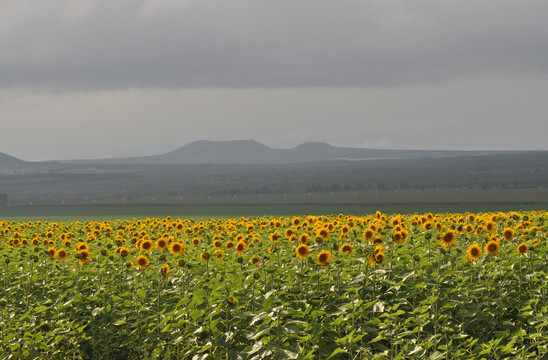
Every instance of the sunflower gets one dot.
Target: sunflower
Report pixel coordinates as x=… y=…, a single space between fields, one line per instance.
x=398 y=237
x=448 y=238
x=256 y=260
x=323 y=233
x=379 y=258
x=508 y=233
x=61 y=254
x=492 y=247
x=522 y=248
x=204 y=256
x=302 y=251
x=378 y=249
x=142 y=261
x=147 y=245
x=81 y=246
x=304 y=238
x=474 y=252
x=490 y=226
x=165 y=270
x=176 y=248
x=231 y=300
x=377 y=240
x=84 y=257
x=271 y=250
x=124 y=252
x=229 y=244
x=161 y=243
x=219 y=254
x=217 y=244
x=240 y=248
x=296 y=221
x=51 y=251
x=346 y=248
x=323 y=257
x=196 y=241
x=275 y=236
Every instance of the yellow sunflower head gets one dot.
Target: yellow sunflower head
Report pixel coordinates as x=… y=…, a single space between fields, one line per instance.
x=147 y=245
x=142 y=261
x=508 y=234
x=84 y=257
x=165 y=270
x=240 y=247
x=61 y=254
x=522 y=248
x=448 y=238
x=346 y=248
x=176 y=248
x=492 y=247
x=323 y=257
x=51 y=251
x=302 y=251
x=473 y=252
x=161 y=243
x=379 y=257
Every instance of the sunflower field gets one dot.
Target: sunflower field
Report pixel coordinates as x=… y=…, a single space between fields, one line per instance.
x=378 y=286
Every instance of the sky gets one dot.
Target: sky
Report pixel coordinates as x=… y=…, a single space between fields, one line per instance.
x=102 y=78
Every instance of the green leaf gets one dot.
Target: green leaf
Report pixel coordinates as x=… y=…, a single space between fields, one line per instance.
x=336 y=352
x=196 y=314
x=437 y=355
x=142 y=294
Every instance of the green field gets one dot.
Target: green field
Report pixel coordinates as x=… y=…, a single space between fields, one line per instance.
x=353 y=203
x=379 y=286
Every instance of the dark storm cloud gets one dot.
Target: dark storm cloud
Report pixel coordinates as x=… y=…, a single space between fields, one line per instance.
x=89 y=45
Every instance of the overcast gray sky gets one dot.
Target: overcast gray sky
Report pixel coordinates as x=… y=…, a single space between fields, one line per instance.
x=103 y=78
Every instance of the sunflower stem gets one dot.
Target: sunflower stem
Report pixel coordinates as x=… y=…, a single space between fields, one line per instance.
x=391 y=259
x=519 y=286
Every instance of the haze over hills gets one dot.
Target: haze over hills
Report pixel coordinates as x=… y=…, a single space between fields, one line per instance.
x=253 y=152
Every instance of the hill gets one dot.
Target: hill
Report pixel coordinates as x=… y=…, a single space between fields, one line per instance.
x=253 y=152
x=84 y=183
x=6 y=160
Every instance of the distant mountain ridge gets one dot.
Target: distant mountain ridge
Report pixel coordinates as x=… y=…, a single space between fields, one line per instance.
x=253 y=152
x=6 y=159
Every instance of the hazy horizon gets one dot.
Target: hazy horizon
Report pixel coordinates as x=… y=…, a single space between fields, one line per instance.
x=90 y=79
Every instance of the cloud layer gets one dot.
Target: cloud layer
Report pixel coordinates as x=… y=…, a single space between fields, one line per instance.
x=64 y=45
x=104 y=78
